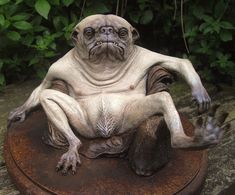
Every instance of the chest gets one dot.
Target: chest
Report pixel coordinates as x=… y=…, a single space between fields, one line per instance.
x=132 y=82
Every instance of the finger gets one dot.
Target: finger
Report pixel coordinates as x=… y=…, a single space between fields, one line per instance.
x=222 y=118
x=200 y=108
x=59 y=165
x=226 y=127
x=74 y=166
x=22 y=118
x=79 y=160
x=199 y=122
x=66 y=167
x=223 y=130
x=208 y=105
x=9 y=122
x=213 y=109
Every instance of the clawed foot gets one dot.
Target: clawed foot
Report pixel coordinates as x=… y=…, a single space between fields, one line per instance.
x=207 y=133
x=68 y=160
x=210 y=131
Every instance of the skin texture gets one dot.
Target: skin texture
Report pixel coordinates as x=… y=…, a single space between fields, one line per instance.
x=106 y=77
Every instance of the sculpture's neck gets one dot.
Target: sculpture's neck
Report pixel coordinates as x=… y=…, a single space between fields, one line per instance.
x=105 y=72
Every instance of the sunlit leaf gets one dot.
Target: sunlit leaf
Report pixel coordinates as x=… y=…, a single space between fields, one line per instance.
x=226 y=36
x=146 y=17
x=43 y=8
x=22 y=25
x=13 y=35
x=67 y=2
x=2 y=20
x=3 y=2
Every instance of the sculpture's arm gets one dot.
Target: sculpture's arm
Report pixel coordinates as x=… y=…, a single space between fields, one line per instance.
x=20 y=113
x=185 y=68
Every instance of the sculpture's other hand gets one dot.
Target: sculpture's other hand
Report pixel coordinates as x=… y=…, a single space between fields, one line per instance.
x=210 y=131
x=18 y=114
x=69 y=160
x=202 y=98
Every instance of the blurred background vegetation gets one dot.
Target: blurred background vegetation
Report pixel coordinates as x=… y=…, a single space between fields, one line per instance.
x=34 y=33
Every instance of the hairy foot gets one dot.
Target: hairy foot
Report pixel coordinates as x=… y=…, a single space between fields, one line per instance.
x=208 y=132
x=69 y=160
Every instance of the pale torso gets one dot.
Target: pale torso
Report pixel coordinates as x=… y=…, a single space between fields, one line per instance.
x=110 y=95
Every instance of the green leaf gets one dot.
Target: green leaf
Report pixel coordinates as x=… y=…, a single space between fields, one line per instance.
x=96 y=8
x=19 y=17
x=226 y=36
x=3 y=2
x=198 y=12
x=1 y=64
x=54 y=2
x=2 y=20
x=13 y=35
x=207 y=18
x=34 y=60
x=146 y=17
x=18 y=2
x=219 y=8
x=22 y=25
x=135 y=16
x=2 y=79
x=226 y=25
x=43 y=8
x=67 y=2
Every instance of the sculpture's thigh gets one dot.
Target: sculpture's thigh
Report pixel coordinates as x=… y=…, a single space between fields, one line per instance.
x=55 y=102
x=145 y=107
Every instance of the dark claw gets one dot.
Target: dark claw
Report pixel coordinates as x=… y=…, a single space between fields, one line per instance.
x=213 y=109
x=64 y=172
x=226 y=127
x=222 y=118
x=57 y=169
x=199 y=122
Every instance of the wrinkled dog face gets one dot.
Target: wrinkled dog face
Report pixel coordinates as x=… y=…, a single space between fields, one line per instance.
x=104 y=37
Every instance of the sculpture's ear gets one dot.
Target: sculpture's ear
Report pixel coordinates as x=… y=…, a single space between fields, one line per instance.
x=135 y=34
x=74 y=35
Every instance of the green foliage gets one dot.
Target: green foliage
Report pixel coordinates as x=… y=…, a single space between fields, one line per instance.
x=34 y=33
x=210 y=29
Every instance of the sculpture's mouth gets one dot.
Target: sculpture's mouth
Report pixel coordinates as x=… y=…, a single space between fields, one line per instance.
x=110 y=49
x=106 y=42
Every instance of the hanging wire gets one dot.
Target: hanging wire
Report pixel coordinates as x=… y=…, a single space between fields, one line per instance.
x=83 y=6
x=117 y=7
x=182 y=24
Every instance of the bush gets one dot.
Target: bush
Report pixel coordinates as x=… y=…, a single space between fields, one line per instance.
x=35 y=33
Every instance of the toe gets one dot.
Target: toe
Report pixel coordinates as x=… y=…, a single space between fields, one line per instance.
x=222 y=118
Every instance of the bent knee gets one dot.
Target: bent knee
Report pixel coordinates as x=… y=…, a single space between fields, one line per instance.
x=163 y=97
x=46 y=94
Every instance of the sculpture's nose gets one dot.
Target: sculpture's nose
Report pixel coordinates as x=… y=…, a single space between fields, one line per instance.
x=106 y=30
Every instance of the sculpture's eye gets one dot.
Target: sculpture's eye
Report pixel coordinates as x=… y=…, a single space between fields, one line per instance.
x=89 y=32
x=123 y=32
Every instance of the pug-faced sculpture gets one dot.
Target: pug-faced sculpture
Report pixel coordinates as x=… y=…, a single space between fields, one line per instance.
x=105 y=74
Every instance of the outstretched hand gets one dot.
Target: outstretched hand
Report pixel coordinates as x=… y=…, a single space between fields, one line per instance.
x=18 y=114
x=202 y=98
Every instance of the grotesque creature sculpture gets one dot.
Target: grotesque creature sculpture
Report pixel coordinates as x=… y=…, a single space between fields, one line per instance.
x=105 y=82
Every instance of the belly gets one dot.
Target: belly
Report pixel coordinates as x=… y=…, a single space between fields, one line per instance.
x=105 y=112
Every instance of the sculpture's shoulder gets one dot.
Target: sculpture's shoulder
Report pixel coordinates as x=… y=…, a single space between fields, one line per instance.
x=63 y=66
x=145 y=58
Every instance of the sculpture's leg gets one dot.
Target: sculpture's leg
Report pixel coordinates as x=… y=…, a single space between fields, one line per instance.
x=61 y=110
x=150 y=148
x=159 y=103
x=206 y=134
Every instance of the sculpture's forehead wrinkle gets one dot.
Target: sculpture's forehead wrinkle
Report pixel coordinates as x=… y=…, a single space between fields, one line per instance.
x=99 y=20
x=113 y=20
